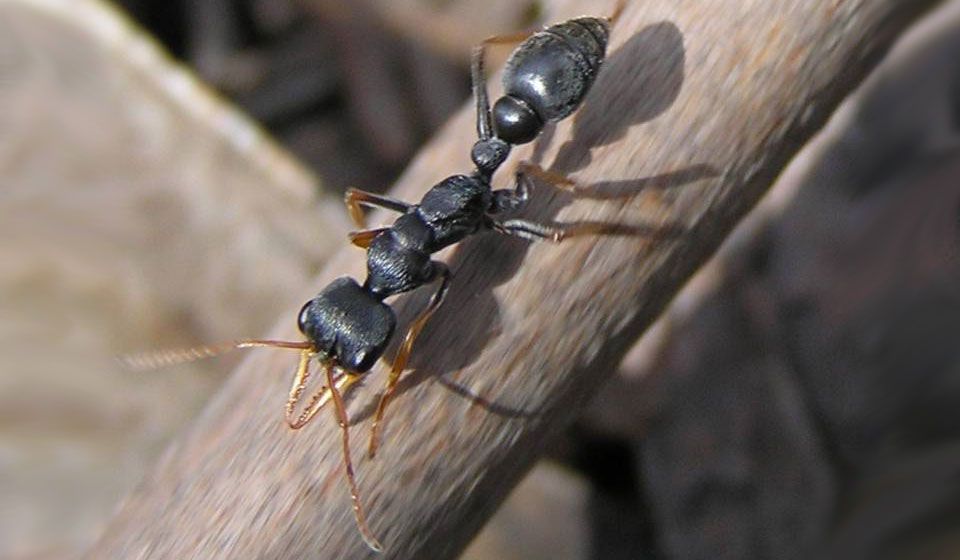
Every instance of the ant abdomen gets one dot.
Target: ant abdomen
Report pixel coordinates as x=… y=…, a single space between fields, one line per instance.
x=548 y=76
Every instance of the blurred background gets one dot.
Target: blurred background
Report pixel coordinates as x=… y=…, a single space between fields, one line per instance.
x=171 y=172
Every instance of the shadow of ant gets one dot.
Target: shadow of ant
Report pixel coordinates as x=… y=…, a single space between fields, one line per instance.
x=651 y=62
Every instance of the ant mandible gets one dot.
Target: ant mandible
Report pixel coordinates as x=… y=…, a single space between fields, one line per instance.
x=347 y=325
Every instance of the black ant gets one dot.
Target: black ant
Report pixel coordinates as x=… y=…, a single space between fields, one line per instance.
x=348 y=326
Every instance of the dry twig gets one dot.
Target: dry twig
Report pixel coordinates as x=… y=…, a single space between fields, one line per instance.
x=699 y=107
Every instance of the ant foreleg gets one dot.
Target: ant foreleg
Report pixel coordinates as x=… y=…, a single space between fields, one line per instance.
x=340 y=412
x=355 y=199
x=364 y=237
x=400 y=362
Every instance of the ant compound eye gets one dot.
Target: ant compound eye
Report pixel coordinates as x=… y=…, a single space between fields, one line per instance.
x=304 y=318
x=362 y=359
x=358 y=361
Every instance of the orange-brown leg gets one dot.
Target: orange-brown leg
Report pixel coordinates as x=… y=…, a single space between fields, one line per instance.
x=557 y=180
x=507 y=38
x=400 y=362
x=364 y=237
x=355 y=199
x=617 y=11
x=340 y=413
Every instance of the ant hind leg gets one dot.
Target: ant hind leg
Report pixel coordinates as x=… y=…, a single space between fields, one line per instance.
x=479 y=79
x=533 y=231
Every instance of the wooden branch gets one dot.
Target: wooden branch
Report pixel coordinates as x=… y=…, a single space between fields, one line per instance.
x=699 y=107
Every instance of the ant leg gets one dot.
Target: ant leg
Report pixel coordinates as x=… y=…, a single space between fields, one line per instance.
x=507 y=38
x=540 y=232
x=617 y=11
x=318 y=400
x=554 y=179
x=508 y=200
x=355 y=198
x=484 y=121
x=515 y=198
x=400 y=362
x=529 y=230
x=479 y=80
x=340 y=412
x=364 y=238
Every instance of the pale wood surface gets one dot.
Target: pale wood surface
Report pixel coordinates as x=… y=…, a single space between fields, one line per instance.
x=137 y=210
x=699 y=107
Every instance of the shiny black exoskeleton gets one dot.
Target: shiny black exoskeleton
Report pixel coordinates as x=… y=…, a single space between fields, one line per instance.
x=548 y=76
x=545 y=79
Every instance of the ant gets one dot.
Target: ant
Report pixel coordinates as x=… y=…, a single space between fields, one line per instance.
x=348 y=326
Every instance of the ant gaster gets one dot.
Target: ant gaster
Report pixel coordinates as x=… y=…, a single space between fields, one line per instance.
x=347 y=325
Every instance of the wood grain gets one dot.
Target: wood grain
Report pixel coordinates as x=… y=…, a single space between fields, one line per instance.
x=700 y=105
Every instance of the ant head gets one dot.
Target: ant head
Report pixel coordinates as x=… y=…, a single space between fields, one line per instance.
x=488 y=154
x=347 y=324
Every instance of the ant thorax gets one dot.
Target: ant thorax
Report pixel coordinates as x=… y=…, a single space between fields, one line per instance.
x=454 y=209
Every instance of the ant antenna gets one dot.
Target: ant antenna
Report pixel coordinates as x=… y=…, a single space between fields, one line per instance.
x=145 y=361
x=336 y=386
